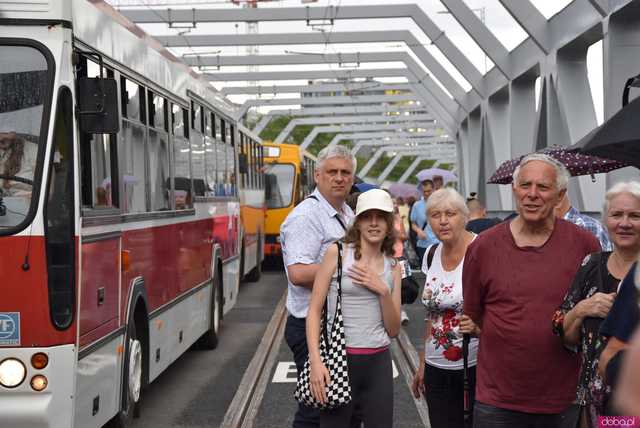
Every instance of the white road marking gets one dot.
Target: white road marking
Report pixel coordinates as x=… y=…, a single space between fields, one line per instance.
x=285 y=372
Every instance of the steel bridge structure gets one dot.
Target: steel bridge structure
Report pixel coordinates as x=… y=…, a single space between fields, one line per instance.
x=533 y=96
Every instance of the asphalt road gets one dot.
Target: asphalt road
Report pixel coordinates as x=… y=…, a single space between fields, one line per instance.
x=198 y=388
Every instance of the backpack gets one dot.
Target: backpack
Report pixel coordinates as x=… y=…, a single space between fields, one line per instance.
x=410 y=287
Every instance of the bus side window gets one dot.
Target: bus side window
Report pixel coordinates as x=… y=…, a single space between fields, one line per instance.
x=246 y=175
x=181 y=165
x=230 y=182
x=197 y=153
x=221 y=157
x=98 y=157
x=242 y=180
x=254 y=164
x=250 y=163
x=210 y=155
x=261 y=166
x=158 y=154
x=133 y=148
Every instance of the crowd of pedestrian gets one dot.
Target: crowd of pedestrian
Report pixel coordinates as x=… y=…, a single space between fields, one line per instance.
x=529 y=322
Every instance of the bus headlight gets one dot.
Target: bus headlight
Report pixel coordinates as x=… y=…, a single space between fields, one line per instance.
x=12 y=373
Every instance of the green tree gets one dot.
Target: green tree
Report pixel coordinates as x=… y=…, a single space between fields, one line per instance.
x=273 y=128
x=299 y=133
x=297 y=136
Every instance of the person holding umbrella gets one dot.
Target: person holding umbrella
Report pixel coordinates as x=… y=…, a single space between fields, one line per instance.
x=441 y=374
x=438 y=182
x=576 y=164
x=419 y=223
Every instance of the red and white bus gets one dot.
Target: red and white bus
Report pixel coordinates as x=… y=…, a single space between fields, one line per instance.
x=129 y=196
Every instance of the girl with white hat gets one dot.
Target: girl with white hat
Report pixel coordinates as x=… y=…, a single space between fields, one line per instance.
x=370 y=310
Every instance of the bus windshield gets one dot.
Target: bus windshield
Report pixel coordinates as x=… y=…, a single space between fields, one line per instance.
x=279 y=183
x=23 y=89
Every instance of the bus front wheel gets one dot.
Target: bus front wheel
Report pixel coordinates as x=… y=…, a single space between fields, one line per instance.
x=132 y=379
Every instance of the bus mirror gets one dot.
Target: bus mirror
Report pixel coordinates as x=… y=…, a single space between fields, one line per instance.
x=98 y=105
x=243 y=168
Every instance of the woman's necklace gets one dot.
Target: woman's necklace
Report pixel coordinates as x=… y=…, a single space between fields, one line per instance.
x=452 y=259
x=621 y=265
x=455 y=255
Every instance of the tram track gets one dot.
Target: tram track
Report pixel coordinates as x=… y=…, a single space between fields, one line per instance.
x=406 y=358
x=244 y=407
x=243 y=410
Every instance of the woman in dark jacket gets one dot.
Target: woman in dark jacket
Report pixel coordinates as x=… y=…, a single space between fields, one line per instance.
x=592 y=294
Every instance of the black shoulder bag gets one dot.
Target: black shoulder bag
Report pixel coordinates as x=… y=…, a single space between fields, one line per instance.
x=410 y=287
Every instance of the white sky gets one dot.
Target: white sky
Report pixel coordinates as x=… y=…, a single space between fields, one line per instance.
x=499 y=22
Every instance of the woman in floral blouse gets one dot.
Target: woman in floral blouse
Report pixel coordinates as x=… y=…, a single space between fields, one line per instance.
x=592 y=294
x=440 y=375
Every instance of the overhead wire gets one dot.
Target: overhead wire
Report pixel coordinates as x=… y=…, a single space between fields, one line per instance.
x=326 y=36
x=168 y=22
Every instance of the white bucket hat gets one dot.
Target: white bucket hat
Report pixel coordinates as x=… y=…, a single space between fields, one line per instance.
x=374 y=199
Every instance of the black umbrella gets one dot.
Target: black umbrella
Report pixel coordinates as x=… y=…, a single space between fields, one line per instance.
x=618 y=138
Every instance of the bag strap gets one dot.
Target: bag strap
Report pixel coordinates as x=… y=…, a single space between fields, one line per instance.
x=337 y=217
x=339 y=273
x=430 y=254
x=325 y=311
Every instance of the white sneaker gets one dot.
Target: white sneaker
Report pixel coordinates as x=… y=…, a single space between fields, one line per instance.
x=404 y=318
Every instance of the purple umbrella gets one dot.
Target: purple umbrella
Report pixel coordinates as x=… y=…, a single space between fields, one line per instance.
x=404 y=190
x=576 y=163
x=429 y=173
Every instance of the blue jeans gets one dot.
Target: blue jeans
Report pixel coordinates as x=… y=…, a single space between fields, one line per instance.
x=296 y=337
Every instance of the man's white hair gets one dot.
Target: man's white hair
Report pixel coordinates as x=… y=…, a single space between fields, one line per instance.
x=336 y=151
x=562 y=174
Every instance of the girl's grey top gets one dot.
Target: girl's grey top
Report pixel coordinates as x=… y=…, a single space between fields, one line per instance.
x=361 y=310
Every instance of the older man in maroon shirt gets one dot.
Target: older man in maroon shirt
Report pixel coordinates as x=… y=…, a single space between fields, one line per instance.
x=514 y=276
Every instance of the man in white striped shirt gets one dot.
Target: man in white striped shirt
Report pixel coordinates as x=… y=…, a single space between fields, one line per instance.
x=305 y=235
